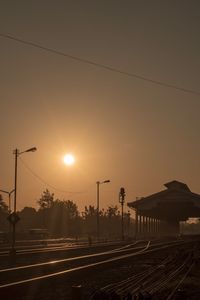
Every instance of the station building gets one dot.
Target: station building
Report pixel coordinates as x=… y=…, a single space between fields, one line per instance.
x=160 y=214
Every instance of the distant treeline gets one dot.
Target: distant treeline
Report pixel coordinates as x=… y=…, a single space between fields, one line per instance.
x=61 y=218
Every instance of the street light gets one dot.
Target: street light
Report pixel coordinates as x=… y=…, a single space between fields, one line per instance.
x=98 y=184
x=13 y=218
x=17 y=153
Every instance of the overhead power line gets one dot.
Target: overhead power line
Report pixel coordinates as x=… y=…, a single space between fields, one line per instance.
x=99 y=65
x=46 y=183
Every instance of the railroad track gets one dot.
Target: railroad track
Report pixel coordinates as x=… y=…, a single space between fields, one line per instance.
x=35 y=255
x=152 y=281
x=43 y=248
x=16 y=276
x=19 y=275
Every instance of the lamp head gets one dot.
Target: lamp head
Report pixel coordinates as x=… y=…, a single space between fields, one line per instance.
x=106 y=181
x=33 y=149
x=101 y=182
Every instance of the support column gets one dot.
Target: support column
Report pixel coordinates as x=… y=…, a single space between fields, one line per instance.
x=159 y=227
x=150 y=226
x=143 y=226
x=146 y=226
x=147 y=229
x=136 y=223
x=140 y=225
x=154 y=226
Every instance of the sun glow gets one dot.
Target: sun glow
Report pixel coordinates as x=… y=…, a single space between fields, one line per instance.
x=69 y=159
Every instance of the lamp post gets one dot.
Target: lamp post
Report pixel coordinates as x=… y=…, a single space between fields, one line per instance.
x=98 y=184
x=13 y=218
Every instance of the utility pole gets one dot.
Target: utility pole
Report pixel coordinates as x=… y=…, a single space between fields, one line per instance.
x=98 y=226
x=13 y=218
x=98 y=183
x=122 y=201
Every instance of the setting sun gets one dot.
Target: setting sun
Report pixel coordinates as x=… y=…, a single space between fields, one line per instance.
x=68 y=159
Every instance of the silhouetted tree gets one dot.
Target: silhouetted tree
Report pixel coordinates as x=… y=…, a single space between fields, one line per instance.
x=28 y=219
x=46 y=199
x=111 y=224
x=3 y=215
x=3 y=206
x=112 y=211
x=45 y=203
x=63 y=218
x=90 y=220
x=72 y=218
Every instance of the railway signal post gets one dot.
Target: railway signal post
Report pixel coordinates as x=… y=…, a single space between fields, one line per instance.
x=122 y=201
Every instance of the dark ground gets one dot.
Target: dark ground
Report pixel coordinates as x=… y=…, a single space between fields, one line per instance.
x=91 y=280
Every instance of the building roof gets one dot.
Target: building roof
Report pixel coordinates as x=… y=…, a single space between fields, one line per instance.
x=174 y=184
x=177 y=201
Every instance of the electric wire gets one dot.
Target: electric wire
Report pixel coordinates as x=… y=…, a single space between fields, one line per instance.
x=46 y=183
x=99 y=65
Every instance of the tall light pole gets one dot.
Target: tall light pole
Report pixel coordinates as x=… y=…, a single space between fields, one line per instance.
x=98 y=184
x=13 y=218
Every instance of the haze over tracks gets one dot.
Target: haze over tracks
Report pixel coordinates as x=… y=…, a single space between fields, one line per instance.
x=19 y=280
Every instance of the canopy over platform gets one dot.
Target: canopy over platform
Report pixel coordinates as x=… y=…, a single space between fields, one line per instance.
x=174 y=204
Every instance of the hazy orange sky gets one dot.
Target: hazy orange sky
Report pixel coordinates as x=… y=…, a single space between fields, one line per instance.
x=133 y=132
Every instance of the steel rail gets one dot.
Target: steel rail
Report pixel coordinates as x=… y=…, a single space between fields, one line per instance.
x=55 y=249
x=72 y=259
x=180 y=282
x=155 y=283
x=151 y=282
x=141 y=278
x=42 y=277
x=85 y=266
x=118 y=250
x=42 y=249
x=158 y=276
x=168 y=277
x=120 y=287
